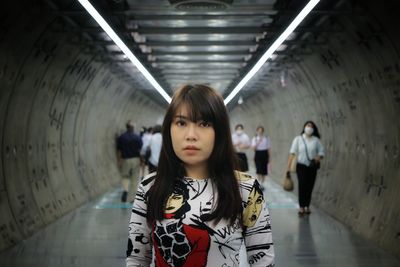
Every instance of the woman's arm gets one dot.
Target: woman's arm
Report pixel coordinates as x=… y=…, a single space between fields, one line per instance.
x=257 y=229
x=320 y=151
x=294 y=150
x=139 y=253
x=291 y=158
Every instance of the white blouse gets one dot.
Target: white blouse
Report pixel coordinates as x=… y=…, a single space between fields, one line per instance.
x=240 y=139
x=262 y=144
x=314 y=148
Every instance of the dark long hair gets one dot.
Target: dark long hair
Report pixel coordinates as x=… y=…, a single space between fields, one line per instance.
x=315 y=132
x=204 y=103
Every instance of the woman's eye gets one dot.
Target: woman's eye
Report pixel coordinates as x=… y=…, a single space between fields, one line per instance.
x=180 y=123
x=205 y=124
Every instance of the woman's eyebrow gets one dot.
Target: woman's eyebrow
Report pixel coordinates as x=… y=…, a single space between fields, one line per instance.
x=180 y=117
x=187 y=118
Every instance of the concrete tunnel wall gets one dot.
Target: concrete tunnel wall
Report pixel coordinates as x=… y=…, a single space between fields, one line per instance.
x=60 y=110
x=351 y=88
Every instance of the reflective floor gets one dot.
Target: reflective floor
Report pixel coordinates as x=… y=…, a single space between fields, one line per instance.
x=96 y=235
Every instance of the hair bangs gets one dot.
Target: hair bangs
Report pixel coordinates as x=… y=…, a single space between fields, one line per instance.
x=194 y=101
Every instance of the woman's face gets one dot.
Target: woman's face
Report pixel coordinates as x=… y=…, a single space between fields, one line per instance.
x=310 y=125
x=193 y=142
x=309 y=129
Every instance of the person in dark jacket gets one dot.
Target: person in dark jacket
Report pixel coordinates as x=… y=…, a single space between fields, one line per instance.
x=128 y=158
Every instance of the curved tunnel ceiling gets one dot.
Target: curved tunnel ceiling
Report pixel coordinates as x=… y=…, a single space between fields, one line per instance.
x=201 y=41
x=66 y=91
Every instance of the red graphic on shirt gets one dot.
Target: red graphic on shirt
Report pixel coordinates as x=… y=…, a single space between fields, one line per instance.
x=192 y=252
x=179 y=244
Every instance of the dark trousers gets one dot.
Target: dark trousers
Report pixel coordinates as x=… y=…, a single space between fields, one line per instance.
x=306 y=177
x=261 y=161
x=242 y=160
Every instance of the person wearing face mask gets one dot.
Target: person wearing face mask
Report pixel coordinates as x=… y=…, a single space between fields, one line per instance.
x=309 y=151
x=261 y=144
x=241 y=142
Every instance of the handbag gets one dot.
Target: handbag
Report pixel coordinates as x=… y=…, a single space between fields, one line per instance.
x=313 y=163
x=288 y=184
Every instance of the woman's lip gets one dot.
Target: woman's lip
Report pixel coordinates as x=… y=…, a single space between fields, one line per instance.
x=191 y=148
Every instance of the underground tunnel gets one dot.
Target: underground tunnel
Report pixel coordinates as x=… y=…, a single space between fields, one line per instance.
x=66 y=91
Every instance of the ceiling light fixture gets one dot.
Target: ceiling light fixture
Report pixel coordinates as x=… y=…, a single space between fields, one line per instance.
x=128 y=53
x=299 y=18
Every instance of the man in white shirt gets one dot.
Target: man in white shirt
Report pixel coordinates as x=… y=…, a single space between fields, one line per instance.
x=146 y=137
x=155 y=148
x=241 y=142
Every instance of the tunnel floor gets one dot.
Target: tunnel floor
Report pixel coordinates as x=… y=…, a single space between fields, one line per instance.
x=96 y=235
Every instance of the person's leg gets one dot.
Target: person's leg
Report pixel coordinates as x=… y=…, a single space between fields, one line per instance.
x=245 y=163
x=125 y=187
x=241 y=161
x=261 y=179
x=264 y=165
x=258 y=164
x=125 y=182
x=301 y=177
x=311 y=177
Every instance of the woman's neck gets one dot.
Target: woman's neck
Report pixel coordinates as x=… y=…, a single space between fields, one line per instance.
x=197 y=172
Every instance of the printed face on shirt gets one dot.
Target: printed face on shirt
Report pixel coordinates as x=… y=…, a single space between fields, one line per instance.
x=253 y=208
x=174 y=202
x=193 y=142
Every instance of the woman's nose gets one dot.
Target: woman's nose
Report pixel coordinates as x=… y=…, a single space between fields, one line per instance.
x=191 y=133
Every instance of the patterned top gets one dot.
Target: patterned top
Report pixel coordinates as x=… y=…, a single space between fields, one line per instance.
x=184 y=239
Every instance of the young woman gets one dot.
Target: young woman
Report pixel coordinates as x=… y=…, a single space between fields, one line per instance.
x=196 y=210
x=261 y=145
x=309 y=151
x=241 y=142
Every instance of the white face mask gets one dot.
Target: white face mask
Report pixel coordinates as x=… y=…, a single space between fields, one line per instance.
x=309 y=130
x=239 y=132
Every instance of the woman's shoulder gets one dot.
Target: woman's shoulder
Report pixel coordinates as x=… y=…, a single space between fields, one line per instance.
x=245 y=179
x=315 y=138
x=247 y=183
x=243 y=176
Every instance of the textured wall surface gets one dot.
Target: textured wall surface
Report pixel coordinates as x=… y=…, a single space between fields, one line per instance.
x=59 y=113
x=351 y=89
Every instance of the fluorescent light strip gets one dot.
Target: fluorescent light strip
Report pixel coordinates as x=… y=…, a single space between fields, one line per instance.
x=110 y=32
x=272 y=49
